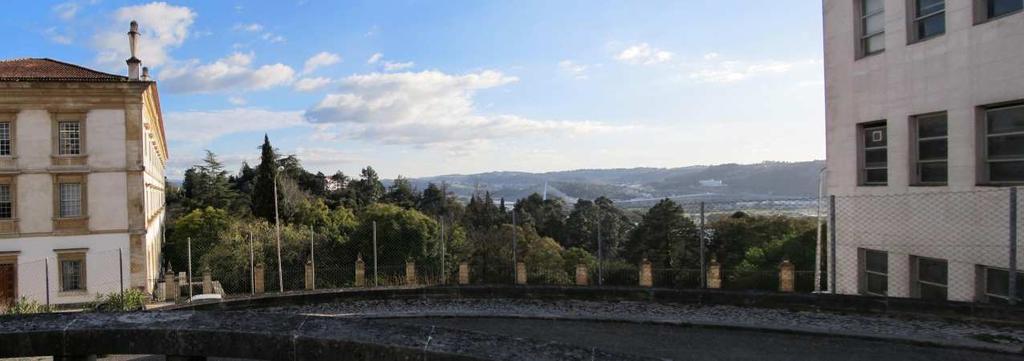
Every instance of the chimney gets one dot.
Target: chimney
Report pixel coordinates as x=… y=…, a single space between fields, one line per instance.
x=133 y=62
x=145 y=73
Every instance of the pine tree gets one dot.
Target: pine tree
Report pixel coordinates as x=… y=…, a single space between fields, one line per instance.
x=263 y=186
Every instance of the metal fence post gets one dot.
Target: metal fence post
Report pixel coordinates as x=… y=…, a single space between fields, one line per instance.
x=120 y=270
x=46 y=271
x=515 y=252
x=374 y=253
x=189 y=269
x=444 y=269
x=312 y=255
x=703 y=258
x=832 y=251
x=252 y=267
x=600 y=257
x=1013 y=247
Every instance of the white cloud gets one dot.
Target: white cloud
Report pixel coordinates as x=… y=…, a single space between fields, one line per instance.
x=56 y=36
x=252 y=28
x=374 y=58
x=236 y=100
x=163 y=27
x=320 y=60
x=394 y=66
x=66 y=10
x=202 y=127
x=429 y=108
x=714 y=70
x=643 y=54
x=273 y=38
x=232 y=72
x=311 y=84
x=577 y=71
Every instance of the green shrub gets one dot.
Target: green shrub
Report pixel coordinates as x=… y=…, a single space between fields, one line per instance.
x=26 y=306
x=131 y=300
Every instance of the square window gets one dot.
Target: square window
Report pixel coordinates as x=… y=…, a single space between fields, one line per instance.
x=931 y=150
x=997 y=8
x=997 y=285
x=875 y=274
x=70 y=200
x=874 y=157
x=6 y=209
x=1003 y=147
x=872 y=27
x=69 y=138
x=929 y=19
x=72 y=271
x=931 y=278
x=5 y=138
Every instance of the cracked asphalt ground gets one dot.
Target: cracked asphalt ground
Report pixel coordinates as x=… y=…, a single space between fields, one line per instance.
x=702 y=343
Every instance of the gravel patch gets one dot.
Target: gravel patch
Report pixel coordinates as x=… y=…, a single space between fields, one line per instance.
x=938 y=331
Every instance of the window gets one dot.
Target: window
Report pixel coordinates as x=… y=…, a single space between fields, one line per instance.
x=929 y=19
x=872 y=27
x=931 y=150
x=70 y=200
x=1004 y=144
x=875 y=277
x=997 y=8
x=997 y=285
x=69 y=138
x=72 y=271
x=874 y=159
x=931 y=279
x=6 y=209
x=5 y=138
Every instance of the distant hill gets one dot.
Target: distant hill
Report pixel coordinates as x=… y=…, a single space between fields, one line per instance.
x=765 y=180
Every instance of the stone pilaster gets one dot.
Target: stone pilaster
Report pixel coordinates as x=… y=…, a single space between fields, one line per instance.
x=259 y=277
x=360 y=271
x=787 y=277
x=410 y=273
x=463 y=273
x=582 y=275
x=520 y=273
x=207 y=281
x=714 y=274
x=646 y=277
x=171 y=289
x=309 y=276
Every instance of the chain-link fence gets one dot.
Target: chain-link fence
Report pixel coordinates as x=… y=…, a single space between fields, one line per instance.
x=959 y=246
x=67 y=277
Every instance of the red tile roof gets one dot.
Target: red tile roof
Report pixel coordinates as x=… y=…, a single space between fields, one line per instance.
x=43 y=69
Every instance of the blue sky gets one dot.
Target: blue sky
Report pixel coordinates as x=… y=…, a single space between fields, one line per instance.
x=422 y=88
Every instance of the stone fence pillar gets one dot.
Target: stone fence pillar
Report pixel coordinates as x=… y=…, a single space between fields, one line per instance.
x=258 y=284
x=410 y=272
x=582 y=275
x=646 y=277
x=207 y=281
x=787 y=276
x=360 y=271
x=714 y=274
x=309 y=276
x=463 y=273
x=520 y=273
x=171 y=289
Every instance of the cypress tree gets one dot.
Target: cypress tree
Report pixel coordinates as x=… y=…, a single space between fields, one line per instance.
x=263 y=187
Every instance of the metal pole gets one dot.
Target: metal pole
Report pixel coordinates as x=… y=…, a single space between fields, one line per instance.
x=277 y=229
x=312 y=256
x=252 y=267
x=444 y=269
x=600 y=257
x=120 y=270
x=46 y=270
x=375 y=253
x=818 y=245
x=189 y=273
x=1013 y=246
x=832 y=251
x=703 y=261
x=515 y=251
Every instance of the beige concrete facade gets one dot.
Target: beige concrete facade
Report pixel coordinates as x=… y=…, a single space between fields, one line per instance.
x=975 y=63
x=120 y=168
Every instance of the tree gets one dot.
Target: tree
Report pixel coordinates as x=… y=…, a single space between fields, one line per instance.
x=263 y=186
x=481 y=213
x=207 y=185
x=436 y=202
x=368 y=189
x=401 y=234
x=547 y=216
x=402 y=194
x=666 y=237
x=203 y=227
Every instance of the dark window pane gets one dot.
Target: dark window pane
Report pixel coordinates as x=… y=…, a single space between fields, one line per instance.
x=876 y=176
x=930 y=270
x=1006 y=147
x=931 y=26
x=876 y=261
x=932 y=172
x=875 y=158
x=1005 y=120
x=931 y=149
x=878 y=284
x=930 y=292
x=931 y=126
x=997 y=282
x=874 y=137
x=1003 y=7
x=1006 y=171
x=871 y=6
x=925 y=7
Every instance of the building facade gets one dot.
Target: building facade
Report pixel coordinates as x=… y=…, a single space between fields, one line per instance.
x=82 y=157
x=925 y=130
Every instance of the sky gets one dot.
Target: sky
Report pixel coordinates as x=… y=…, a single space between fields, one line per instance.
x=421 y=88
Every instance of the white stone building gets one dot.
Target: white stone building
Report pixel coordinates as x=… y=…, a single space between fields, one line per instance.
x=82 y=156
x=925 y=130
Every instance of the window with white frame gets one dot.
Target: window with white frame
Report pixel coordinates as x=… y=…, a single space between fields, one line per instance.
x=929 y=19
x=70 y=200
x=875 y=272
x=69 y=138
x=874 y=156
x=5 y=138
x=872 y=27
x=1004 y=144
x=997 y=285
x=996 y=8
x=6 y=202
x=931 y=279
x=931 y=151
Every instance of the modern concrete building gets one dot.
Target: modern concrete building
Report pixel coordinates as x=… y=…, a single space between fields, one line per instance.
x=925 y=129
x=82 y=156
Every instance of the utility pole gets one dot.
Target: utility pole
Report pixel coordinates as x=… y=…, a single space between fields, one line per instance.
x=189 y=274
x=312 y=256
x=252 y=267
x=600 y=257
x=277 y=230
